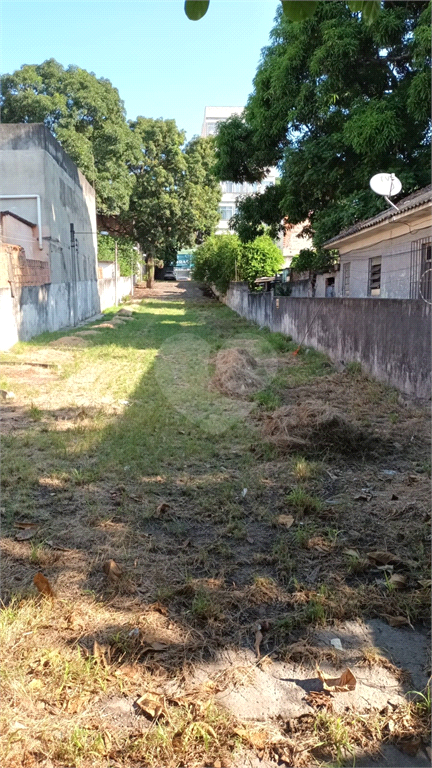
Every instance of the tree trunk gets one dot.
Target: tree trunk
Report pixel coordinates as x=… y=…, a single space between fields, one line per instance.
x=150 y=272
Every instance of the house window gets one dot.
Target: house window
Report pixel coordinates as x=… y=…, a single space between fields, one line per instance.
x=375 y=276
x=346 y=279
x=226 y=211
x=227 y=187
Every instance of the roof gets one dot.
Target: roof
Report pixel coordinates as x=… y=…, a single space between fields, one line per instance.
x=20 y=218
x=415 y=200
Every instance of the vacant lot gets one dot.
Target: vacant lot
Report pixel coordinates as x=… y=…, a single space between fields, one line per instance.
x=210 y=509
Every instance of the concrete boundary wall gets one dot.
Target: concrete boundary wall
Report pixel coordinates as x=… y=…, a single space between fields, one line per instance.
x=50 y=307
x=106 y=288
x=390 y=338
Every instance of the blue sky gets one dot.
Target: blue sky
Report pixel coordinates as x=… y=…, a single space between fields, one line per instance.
x=162 y=64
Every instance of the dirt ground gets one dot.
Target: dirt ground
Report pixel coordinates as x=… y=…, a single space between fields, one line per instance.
x=211 y=586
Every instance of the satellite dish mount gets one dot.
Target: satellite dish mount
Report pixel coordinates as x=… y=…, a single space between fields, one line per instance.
x=387 y=185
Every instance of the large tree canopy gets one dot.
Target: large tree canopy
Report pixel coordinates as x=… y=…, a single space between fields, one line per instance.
x=174 y=201
x=150 y=186
x=85 y=114
x=296 y=10
x=334 y=102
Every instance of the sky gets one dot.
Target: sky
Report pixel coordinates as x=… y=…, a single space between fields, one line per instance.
x=162 y=64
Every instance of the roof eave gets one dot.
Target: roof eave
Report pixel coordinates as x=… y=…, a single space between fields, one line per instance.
x=330 y=244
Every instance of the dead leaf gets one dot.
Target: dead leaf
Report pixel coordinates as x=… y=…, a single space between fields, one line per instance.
x=43 y=585
x=164 y=507
x=153 y=646
x=25 y=525
x=363 y=497
x=101 y=653
x=256 y=738
x=352 y=553
x=345 y=682
x=425 y=583
x=159 y=608
x=112 y=570
x=26 y=534
x=258 y=639
x=397 y=621
x=382 y=558
x=285 y=520
x=250 y=540
x=398 y=580
x=320 y=544
x=57 y=546
x=152 y=704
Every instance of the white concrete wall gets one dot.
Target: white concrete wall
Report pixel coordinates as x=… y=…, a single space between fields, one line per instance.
x=106 y=288
x=42 y=308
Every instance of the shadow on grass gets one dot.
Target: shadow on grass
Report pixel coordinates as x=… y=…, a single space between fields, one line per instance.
x=188 y=513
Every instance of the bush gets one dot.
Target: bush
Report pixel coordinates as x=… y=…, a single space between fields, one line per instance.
x=217 y=258
x=260 y=258
x=215 y=261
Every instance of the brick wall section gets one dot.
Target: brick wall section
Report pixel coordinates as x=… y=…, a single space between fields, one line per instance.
x=22 y=272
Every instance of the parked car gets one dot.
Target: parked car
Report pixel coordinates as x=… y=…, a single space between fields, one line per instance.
x=169 y=273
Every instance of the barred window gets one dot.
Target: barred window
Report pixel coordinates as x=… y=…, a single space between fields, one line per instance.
x=374 y=276
x=346 y=269
x=420 y=274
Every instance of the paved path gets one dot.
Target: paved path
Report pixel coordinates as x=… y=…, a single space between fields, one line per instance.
x=169 y=290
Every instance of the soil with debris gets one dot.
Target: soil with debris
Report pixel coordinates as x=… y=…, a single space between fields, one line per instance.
x=209 y=603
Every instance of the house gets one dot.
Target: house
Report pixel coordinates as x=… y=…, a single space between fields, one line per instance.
x=292 y=240
x=48 y=243
x=231 y=190
x=388 y=255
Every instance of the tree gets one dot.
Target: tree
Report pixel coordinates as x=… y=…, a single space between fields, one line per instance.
x=223 y=258
x=334 y=102
x=86 y=116
x=296 y=10
x=127 y=254
x=202 y=192
x=175 y=197
x=155 y=205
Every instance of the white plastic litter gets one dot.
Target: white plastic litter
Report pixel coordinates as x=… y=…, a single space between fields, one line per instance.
x=336 y=643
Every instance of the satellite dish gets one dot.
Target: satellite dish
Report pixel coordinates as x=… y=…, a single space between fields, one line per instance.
x=385 y=184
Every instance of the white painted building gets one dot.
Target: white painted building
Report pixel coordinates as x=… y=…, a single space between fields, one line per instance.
x=389 y=255
x=230 y=189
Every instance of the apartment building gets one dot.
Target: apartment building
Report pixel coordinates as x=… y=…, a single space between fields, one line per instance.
x=231 y=190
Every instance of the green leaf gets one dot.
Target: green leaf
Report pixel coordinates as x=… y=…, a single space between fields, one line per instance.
x=369 y=8
x=196 y=9
x=299 y=10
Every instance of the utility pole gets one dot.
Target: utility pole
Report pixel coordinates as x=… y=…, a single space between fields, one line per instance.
x=115 y=269
x=74 y=274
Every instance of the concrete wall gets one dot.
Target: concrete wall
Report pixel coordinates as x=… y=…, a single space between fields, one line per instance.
x=42 y=308
x=32 y=162
x=106 y=288
x=390 y=338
